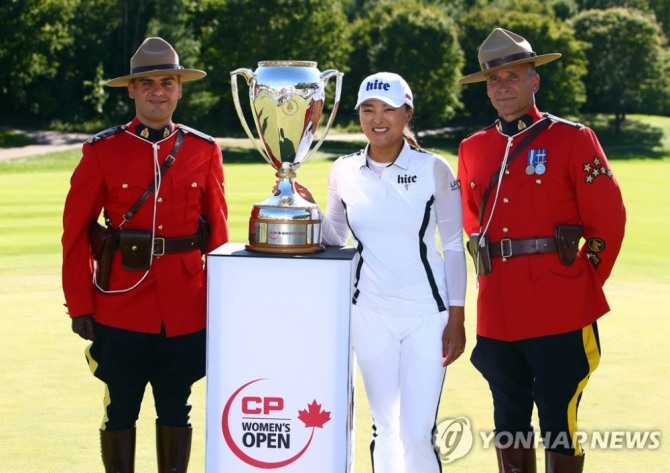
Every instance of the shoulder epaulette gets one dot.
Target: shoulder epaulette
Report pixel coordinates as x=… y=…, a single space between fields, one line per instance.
x=106 y=133
x=197 y=133
x=481 y=129
x=554 y=118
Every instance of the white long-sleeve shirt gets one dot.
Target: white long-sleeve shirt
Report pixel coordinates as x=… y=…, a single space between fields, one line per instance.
x=394 y=217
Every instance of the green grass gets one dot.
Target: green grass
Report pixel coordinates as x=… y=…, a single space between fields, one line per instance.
x=51 y=407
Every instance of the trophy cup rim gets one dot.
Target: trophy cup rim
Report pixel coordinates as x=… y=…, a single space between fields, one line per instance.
x=286 y=63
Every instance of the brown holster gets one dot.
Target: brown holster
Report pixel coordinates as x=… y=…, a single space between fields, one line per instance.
x=478 y=247
x=102 y=241
x=205 y=230
x=567 y=241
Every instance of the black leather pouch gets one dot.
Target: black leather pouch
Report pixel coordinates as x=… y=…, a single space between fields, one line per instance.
x=567 y=241
x=136 y=247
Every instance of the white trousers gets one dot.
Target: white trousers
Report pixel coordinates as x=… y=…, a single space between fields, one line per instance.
x=400 y=359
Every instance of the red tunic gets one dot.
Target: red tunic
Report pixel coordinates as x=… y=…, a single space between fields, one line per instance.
x=535 y=295
x=113 y=172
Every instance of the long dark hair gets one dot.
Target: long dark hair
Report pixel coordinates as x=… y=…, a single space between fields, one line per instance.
x=409 y=134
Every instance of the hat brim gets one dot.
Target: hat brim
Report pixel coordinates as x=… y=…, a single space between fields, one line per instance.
x=481 y=75
x=184 y=74
x=383 y=99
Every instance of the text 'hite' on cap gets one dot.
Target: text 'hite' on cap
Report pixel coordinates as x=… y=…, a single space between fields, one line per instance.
x=387 y=87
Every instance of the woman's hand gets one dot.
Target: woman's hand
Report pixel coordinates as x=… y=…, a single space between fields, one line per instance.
x=453 y=336
x=300 y=189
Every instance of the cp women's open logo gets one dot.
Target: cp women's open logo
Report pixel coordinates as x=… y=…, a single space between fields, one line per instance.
x=264 y=430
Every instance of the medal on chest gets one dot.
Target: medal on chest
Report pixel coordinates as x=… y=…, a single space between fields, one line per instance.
x=536 y=161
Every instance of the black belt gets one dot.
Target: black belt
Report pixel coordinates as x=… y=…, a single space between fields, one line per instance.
x=510 y=247
x=176 y=245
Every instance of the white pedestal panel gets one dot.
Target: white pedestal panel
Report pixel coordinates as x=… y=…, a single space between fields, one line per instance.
x=279 y=362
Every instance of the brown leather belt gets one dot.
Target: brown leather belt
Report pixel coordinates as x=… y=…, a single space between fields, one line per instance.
x=510 y=247
x=176 y=245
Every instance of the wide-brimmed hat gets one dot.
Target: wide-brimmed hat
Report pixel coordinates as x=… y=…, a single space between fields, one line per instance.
x=501 y=49
x=388 y=87
x=155 y=56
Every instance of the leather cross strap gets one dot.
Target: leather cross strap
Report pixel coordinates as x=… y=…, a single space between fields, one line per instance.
x=529 y=136
x=510 y=247
x=169 y=161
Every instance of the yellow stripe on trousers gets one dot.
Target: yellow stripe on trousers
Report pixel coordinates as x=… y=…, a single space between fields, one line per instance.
x=592 y=353
x=93 y=366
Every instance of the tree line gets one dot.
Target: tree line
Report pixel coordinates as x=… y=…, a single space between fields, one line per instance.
x=56 y=55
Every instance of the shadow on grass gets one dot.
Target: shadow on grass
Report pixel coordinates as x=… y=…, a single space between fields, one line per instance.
x=10 y=139
x=635 y=140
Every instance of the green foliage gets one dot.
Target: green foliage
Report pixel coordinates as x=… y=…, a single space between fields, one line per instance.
x=420 y=43
x=240 y=33
x=57 y=54
x=50 y=63
x=661 y=9
x=607 y=4
x=625 y=52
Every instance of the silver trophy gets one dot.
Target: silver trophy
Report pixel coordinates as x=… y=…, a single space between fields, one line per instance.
x=287 y=99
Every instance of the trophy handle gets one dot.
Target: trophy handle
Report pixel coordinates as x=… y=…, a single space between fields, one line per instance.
x=248 y=76
x=325 y=75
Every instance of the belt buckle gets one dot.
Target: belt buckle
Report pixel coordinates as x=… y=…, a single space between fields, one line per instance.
x=506 y=248
x=159 y=246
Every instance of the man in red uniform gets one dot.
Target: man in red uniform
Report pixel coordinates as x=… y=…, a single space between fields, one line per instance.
x=533 y=184
x=147 y=323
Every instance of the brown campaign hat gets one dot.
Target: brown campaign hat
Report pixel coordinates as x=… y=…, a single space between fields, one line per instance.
x=154 y=57
x=501 y=49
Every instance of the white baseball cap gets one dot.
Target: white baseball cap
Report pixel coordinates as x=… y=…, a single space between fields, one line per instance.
x=388 y=87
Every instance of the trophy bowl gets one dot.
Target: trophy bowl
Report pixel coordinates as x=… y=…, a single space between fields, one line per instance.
x=286 y=99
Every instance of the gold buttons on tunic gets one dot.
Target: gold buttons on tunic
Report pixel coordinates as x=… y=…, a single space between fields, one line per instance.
x=160 y=227
x=538 y=181
x=472 y=185
x=505 y=229
x=194 y=184
x=160 y=199
x=505 y=200
x=124 y=186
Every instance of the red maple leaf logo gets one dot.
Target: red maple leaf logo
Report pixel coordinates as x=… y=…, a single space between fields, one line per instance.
x=313 y=416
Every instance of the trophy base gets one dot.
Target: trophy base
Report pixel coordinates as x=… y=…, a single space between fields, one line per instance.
x=284 y=236
x=274 y=249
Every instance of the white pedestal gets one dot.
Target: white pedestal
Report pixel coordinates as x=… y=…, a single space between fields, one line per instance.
x=279 y=362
